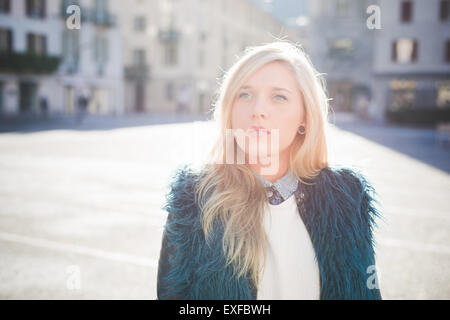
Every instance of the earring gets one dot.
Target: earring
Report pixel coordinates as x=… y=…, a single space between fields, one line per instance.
x=301 y=129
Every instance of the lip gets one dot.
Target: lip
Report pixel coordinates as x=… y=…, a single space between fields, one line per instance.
x=258 y=131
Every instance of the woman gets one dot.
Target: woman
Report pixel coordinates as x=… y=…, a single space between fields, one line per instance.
x=278 y=223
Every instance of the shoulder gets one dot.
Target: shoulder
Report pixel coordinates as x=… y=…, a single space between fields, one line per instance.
x=345 y=180
x=182 y=183
x=348 y=190
x=180 y=200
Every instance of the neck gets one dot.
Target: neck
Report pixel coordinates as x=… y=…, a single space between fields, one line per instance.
x=283 y=167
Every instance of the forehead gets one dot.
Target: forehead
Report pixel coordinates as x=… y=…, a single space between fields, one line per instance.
x=272 y=75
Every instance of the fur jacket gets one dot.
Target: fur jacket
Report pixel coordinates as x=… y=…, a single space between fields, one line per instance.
x=338 y=211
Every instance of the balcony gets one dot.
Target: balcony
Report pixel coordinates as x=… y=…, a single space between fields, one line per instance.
x=342 y=48
x=169 y=35
x=28 y=63
x=139 y=73
x=103 y=18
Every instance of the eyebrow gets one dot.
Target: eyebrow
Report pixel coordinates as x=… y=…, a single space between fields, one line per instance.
x=274 y=88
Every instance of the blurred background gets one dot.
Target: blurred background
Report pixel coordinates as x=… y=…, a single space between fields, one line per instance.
x=101 y=100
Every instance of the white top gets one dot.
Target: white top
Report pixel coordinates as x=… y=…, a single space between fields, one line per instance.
x=291 y=272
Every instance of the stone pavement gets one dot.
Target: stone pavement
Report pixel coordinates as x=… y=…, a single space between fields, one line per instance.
x=81 y=217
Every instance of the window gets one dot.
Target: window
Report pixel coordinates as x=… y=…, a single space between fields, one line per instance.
x=101 y=48
x=35 y=8
x=69 y=99
x=100 y=10
x=36 y=44
x=139 y=57
x=170 y=53
x=406 y=11
x=71 y=51
x=67 y=3
x=342 y=8
x=403 y=93
x=169 y=91
x=27 y=96
x=140 y=24
x=444 y=10
x=404 y=50
x=341 y=47
x=202 y=36
x=5 y=40
x=201 y=57
x=100 y=101
x=447 y=51
x=5 y=6
x=443 y=96
x=101 y=53
x=1 y=96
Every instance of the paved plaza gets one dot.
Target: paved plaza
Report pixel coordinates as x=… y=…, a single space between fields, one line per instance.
x=81 y=217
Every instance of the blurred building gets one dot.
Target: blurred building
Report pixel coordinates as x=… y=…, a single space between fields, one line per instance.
x=341 y=46
x=46 y=65
x=286 y=11
x=175 y=51
x=405 y=63
x=412 y=55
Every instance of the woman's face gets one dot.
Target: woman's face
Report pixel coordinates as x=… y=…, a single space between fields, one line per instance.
x=269 y=99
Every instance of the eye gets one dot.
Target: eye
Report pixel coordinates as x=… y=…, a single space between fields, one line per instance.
x=282 y=97
x=243 y=94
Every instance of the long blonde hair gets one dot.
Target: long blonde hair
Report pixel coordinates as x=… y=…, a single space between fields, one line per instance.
x=230 y=193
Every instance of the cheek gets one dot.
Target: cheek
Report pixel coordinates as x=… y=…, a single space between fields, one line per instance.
x=237 y=117
x=234 y=118
x=288 y=128
x=287 y=135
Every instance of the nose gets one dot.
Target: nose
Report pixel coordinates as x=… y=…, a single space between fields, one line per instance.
x=259 y=109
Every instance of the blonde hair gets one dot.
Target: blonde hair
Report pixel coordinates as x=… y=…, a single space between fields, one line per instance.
x=231 y=194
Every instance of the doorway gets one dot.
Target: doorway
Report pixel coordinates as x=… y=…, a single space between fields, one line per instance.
x=140 y=97
x=1 y=97
x=69 y=99
x=27 y=97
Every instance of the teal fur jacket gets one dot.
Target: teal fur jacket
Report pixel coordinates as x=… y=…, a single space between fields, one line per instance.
x=338 y=210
